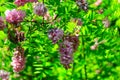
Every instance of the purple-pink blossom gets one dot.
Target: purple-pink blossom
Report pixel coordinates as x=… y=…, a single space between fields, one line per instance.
x=14 y=16
x=20 y=2
x=39 y=9
x=74 y=40
x=23 y=2
x=4 y=75
x=66 y=49
x=18 y=59
x=66 y=52
x=55 y=35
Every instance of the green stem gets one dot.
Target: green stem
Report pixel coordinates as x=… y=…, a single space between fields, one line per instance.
x=85 y=69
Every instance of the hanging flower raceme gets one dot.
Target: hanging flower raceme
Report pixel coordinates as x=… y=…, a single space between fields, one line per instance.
x=18 y=59
x=55 y=35
x=82 y=4
x=4 y=75
x=67 y=48
x=74 y=39
x=23 y=2
x=2 y=25
x=66 y=53
x=14 y=16
x=39 y=9
x=15 y=36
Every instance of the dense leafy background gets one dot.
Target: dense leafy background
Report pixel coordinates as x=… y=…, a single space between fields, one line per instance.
x=43 y=57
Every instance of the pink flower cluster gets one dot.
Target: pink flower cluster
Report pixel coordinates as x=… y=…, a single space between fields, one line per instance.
x=55 y=35
x=23 y=2
x=14 y=16
x=18 y=60
x=74 y=39
x=2 y=25
x=40 y=9
x=4 y=75
x=66 y=49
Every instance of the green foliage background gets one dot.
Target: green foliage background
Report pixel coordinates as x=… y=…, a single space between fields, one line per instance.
x=43 y=57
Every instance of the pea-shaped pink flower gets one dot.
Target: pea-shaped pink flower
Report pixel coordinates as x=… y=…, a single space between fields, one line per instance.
x=14 y=16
